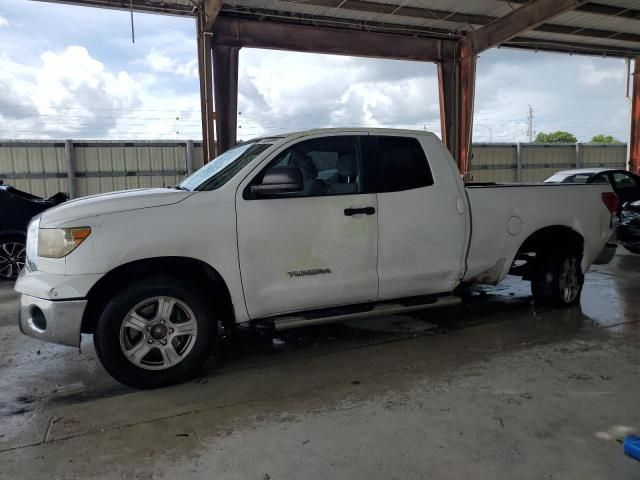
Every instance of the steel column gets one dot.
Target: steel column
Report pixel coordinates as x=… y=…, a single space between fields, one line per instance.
x=188 y=161
x=456 y=81
x=634 y=138
x=225 y=84
x=206 y=89
x=70 y=161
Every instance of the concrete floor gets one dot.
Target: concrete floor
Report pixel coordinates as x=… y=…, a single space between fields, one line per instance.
x=493 y=390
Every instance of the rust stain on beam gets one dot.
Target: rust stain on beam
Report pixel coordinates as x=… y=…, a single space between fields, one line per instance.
x=456 y=83
x=312 y=39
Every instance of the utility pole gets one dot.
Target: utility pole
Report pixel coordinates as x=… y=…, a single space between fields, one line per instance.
x=530 y=129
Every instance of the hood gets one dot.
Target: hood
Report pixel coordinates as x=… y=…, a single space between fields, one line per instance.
x=112 y=202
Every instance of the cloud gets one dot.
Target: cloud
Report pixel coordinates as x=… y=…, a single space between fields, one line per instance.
x=285 y=91
x=159 y=62
x=3 y=22
x=592 y=76
x=71 y=94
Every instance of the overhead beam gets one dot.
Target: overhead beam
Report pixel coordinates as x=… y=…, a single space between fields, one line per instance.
x=467 y=19
x=143 y=6
x=634 y=138
x=519 y=21
x=313 y=39
x=600 y=9
x=211 y=9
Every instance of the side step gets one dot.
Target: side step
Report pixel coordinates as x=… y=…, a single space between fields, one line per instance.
x=365 y=311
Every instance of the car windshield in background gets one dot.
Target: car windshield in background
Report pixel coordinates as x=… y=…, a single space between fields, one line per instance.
x=222 y=168
x=572 y=178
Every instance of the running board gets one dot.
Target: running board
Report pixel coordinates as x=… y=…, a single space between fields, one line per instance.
x=285 y=323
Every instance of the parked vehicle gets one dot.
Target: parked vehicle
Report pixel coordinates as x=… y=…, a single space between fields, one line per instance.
x=293 y=230
x=624 y=183
x=16 y=210
x=628 y=232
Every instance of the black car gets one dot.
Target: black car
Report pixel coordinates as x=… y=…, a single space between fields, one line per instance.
x=624 y=183
x=629 y=227
x=627 y=187
x=17 y=208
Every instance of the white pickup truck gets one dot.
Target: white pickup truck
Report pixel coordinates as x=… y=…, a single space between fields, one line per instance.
x=286 y=231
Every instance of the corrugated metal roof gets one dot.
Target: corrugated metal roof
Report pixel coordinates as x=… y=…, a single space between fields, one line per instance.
x=606 y=27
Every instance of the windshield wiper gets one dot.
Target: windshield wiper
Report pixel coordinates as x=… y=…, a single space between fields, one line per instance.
x=180 y=187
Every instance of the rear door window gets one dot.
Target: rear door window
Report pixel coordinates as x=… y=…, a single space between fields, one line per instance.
x=623 y=181
x=403 y=164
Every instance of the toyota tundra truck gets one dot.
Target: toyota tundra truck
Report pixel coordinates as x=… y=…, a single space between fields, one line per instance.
x=286 y=231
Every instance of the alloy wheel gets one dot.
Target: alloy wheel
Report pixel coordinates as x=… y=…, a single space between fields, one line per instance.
x=158 y=333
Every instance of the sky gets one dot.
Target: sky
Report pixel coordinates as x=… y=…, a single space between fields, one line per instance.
x=73 y=72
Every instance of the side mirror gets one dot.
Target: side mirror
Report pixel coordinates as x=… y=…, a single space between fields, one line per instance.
x=279 y=180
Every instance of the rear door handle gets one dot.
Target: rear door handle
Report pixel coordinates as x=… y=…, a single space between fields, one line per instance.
x=356 y=211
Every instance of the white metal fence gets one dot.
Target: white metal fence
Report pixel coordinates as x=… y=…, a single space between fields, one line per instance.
x=45 y=167
x=531 y=162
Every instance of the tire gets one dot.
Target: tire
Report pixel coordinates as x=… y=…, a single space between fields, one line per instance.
x=155 y=332
x=633 y=249
x=12 y=256
x=558 y=280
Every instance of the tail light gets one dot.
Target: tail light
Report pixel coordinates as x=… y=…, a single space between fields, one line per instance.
x=611 y=201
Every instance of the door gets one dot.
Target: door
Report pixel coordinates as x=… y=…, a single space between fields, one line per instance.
x=316 y=247
x=422 y=222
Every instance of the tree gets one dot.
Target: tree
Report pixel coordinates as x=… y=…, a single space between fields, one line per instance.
x=605 y=139
x=556 y=137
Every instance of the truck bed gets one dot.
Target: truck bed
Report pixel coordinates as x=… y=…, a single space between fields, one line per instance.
x=503 y=216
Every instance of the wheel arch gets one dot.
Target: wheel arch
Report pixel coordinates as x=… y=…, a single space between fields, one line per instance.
x=545 y=241
x=180 y=267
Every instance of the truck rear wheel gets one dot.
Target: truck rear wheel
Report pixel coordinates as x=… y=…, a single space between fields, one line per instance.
x=155 y=333
x=558 y=280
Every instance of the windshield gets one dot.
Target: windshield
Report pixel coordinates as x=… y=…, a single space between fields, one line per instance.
x=222 y=168
x=569 y=178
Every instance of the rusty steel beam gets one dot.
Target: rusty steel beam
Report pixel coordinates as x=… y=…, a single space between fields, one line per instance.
x=456 y=83
x=206 y=90
x=600 y=9
x=466 y=19
x=312 y=39
x=210 y=10
x=225 y=84
x=142 y=6
x=634 y=138
x=523 y=19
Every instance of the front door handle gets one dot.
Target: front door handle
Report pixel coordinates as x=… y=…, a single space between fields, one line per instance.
x=356 y=211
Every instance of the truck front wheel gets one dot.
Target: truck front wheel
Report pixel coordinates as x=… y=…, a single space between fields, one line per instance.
x=557 y=280
x=155 y=333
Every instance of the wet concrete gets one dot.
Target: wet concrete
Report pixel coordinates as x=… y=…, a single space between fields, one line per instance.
x=494 y=388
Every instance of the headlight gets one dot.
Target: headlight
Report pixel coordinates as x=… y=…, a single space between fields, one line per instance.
x=59 y=242
x=32 y=244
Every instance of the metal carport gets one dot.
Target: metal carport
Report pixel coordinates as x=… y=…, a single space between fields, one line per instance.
x=450 y=33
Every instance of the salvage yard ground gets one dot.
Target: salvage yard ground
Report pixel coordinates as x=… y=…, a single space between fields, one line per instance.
x=494 y=389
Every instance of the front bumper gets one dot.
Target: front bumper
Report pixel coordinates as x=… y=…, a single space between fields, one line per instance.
x=52 y=321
